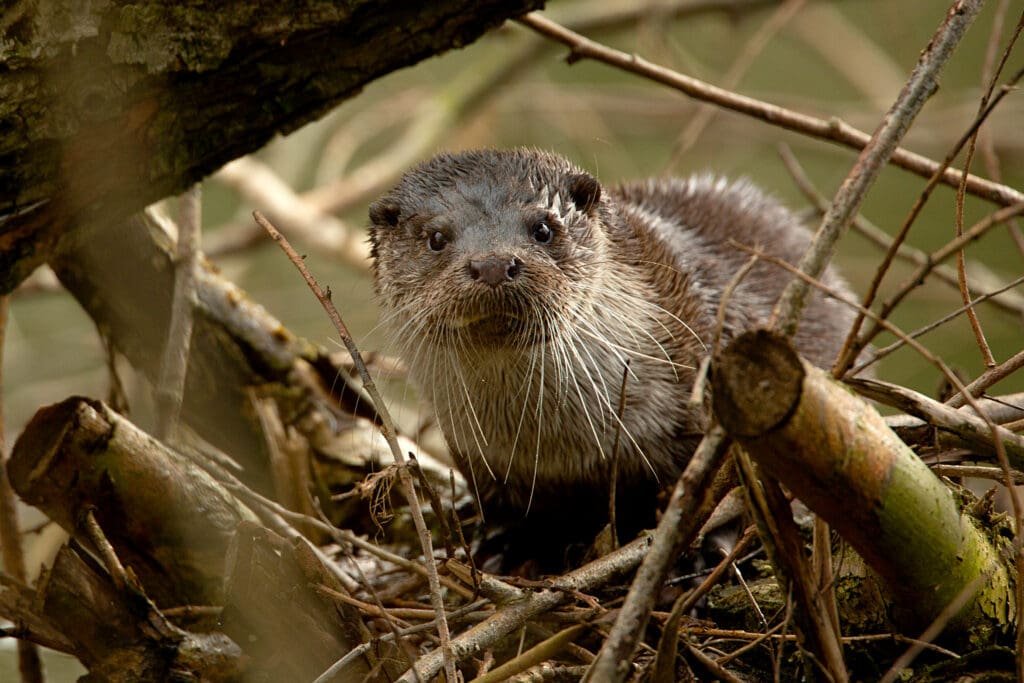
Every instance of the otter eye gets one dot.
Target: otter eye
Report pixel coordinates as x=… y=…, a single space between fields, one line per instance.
x=542 y=232
x=437 y=241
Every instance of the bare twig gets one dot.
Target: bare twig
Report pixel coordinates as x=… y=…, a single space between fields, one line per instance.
x=935 y=258
x=510 y=617
x=447 y=535
x=668 y=644
x=691 y=599
x=823 y=576
x=751 y=50
x=1007 y=301
x=29 y=664
x=997 y=373
x=853 y=344
x=832 y=130
x=171 y=386
x=1014 y=492
x=934 y=629
x=919 y=87
x=718 y=671
x=723 y=305
x=990 y=377
x=986 y=141
x=106 y=551
x=784 y=547
x=285 y=521
x=958 y=214
x=614 y=478
x=535 y=655
x=330 y=674
x=971 y=428
x=388 y=429
x=977 y=472
x=678 y=525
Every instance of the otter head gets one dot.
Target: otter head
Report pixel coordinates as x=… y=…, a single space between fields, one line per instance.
x=486 y=248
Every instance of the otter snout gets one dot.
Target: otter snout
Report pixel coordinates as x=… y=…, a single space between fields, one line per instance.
x=495 y=270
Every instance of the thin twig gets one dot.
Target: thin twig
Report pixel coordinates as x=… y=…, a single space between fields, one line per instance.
x=332 y=671
x=854 y=344
x=535 y=655
x=935 y=258
x=721 y=568
x=977 y=472
x=987 y=141
x=973 y=429
x=511 y=617
x=723 y=305
x=718 y=671
x=988 y=151
x=170 y=389
x=770 y=636
x=822 y=572
x=388 y=429
x=922 y=83
x=435 y=503
x=751 y=50
x=934 y=629
x=818 y=639
x=988 y=378
x=614 y=478
x=990 y=363
x=106 y=551
x=832 y=130
x=294 y=520
x=958 y=214
x=1012 y=303
x=993 y=374
x=678 y=525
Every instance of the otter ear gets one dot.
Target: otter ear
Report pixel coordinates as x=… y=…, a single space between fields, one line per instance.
x=383 y=212
x=585 y=191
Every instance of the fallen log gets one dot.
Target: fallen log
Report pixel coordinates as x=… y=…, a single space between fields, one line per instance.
x=167 y=519
x=123 y=275
x=836 y=454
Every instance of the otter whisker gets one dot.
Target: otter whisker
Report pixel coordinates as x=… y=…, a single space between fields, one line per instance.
x=477 y=430
x=606 y=405
x=653 y=311
x=540 y=431
x=525 y=390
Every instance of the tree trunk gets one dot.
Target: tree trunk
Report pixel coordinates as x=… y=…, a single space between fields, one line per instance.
x=107 y=107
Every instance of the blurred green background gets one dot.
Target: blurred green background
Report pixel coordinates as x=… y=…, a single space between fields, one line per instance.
x=842 y=59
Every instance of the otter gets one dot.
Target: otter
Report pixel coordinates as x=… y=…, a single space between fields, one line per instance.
x=528 y=300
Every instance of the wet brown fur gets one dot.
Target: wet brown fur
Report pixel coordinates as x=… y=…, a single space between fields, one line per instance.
x=626 y=268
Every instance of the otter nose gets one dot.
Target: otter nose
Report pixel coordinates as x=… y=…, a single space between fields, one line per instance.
x=495 y=270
